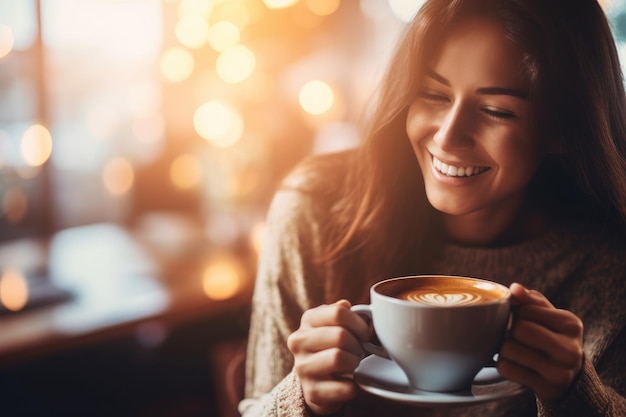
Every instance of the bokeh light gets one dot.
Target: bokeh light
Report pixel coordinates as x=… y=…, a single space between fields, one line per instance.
x=322 y=7
x=223 y=277
x=118 y=176
x=36 y=145
x=218 y=123
x=13 y=290
x=235 y=64
x=195 y=7
x=185 y=172
x=279 y=4
x=177 y=64
x=223 y=35
x=316 y=97
x=236 y=11
x=192 y=31
x=14 y=205
x=6 y=40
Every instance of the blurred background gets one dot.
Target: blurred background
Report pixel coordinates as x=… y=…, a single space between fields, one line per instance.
x=140 y=144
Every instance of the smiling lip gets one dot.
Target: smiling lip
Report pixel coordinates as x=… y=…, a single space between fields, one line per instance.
x=458 y=171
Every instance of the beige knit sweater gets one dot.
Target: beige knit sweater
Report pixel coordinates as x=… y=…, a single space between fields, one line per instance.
x=580 y=267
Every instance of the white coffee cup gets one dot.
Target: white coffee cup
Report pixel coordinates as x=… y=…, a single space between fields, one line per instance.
x=441 y=330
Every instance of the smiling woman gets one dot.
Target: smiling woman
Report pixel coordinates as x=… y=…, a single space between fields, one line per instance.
x=492 y=152
x=473 y=131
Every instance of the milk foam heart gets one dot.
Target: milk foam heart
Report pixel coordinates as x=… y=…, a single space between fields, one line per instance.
x=439 y=299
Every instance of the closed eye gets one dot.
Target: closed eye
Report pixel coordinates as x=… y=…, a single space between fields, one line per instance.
x=433 y=97
x=499 y=114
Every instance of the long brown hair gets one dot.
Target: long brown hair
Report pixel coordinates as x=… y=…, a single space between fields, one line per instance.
x=382 y=223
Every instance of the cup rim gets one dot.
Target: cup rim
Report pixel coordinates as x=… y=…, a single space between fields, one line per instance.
x=400 y=301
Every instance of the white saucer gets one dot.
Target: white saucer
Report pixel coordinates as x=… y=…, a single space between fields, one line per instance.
x=384 y=378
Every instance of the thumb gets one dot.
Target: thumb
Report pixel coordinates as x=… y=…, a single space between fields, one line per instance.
x=522 y=295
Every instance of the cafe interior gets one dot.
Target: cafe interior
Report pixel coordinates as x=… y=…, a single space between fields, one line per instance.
x=141 y=142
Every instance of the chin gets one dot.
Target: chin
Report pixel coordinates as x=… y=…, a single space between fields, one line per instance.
x=448 y=205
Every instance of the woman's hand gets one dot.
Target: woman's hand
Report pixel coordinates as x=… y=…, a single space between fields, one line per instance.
x=326 y=350
x=545 y=351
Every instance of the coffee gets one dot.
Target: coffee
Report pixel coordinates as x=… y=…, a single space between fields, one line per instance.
x=452 y=292
x=439 y=348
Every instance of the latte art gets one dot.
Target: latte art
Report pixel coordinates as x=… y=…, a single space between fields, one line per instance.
x=451 y=292
x=439 y=299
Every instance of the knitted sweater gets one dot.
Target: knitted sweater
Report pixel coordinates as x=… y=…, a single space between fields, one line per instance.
x=579 y=267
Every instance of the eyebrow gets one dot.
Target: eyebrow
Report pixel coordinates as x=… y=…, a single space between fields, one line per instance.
x=515 y=92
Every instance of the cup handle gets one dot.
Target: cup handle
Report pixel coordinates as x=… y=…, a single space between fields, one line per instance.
x=369 y=347
x=493 y=362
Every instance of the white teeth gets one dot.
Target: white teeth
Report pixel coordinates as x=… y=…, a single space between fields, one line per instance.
x=454 y=171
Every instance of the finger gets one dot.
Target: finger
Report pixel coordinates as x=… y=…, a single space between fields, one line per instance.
x=316 y=339
x=327 y=364
x=559 y=348
x=531 y=379
x=521 y=354
x=523 y=295
x=557 y=320
x=337 y=314
x=546 y=369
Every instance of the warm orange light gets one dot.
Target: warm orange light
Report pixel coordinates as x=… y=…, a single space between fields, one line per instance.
x=223 y=35
x=237 y=11
x=28 y=172
x=256 y=237
x=118 y=176
x=197 y=7
x=103 y=121
x=279 y=4
x=14 y=205
x=222 y=277
x=235 y=64
x=304 y=18
x=6 y=40
x=316 y=97
x=218 y=123
x=256 y=12
x=144 y=98
x=13 y=290
x=36 y=145
x=192 y=31
x=260 y=87
x=322 y=7
x=150 y=128
x=404 y=10
x=185 y=172
x=177 y=64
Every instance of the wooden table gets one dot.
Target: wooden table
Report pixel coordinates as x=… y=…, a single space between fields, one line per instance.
x=121 y=282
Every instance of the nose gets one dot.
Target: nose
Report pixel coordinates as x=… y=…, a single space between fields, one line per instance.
x=454 y=129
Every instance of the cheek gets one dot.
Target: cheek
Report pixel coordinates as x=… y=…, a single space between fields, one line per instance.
x=518 y=157
x=416 y=123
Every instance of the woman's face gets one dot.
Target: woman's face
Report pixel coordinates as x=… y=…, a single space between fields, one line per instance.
x=470 y=123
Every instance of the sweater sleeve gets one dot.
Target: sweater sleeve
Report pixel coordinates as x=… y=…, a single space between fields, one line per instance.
x=600 y=389
x=288 y=282
x=588 y=397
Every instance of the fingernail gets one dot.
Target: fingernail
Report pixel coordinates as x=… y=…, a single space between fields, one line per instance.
x=526 y=290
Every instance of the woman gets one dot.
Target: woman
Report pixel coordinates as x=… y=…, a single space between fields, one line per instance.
x=498 y=150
